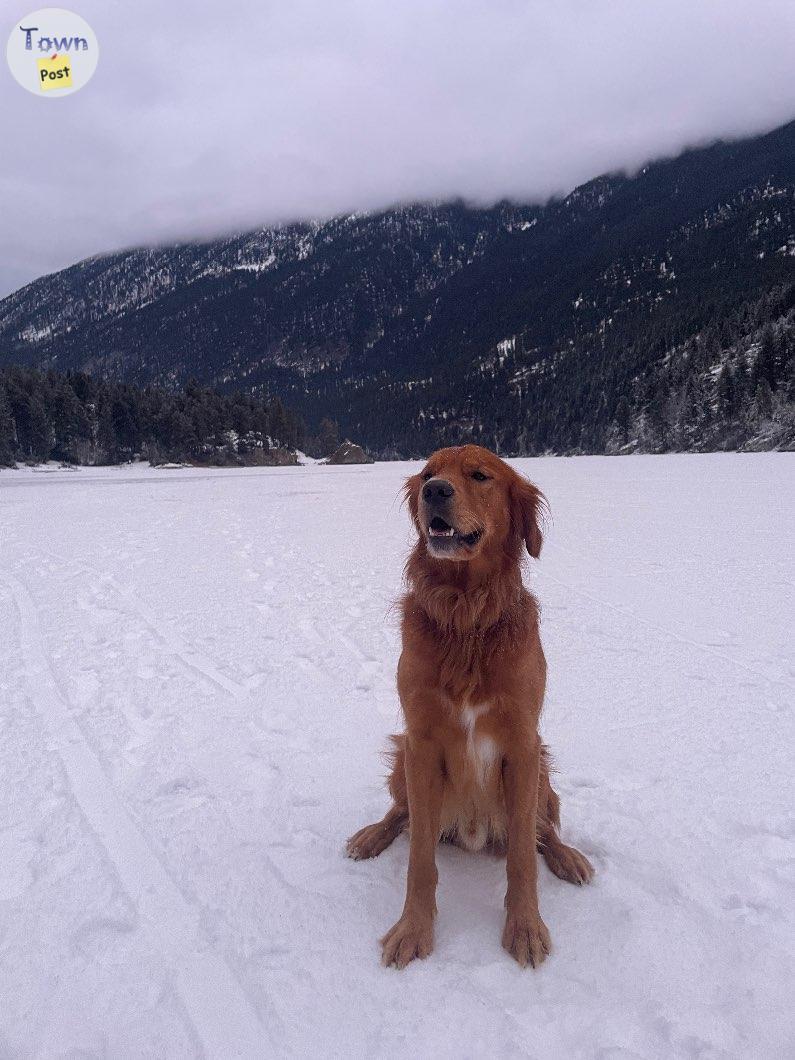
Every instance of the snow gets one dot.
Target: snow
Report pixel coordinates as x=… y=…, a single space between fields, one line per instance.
x=257 y=266
x=196 y=680
x=33 y=334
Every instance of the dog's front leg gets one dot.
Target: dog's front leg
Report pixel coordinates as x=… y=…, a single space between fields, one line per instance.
x=412 y=935
x=525 y=936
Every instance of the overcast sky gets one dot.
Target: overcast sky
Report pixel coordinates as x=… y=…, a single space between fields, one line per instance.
x=205 y=118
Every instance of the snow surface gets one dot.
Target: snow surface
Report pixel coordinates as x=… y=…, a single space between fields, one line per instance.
x=196 y=680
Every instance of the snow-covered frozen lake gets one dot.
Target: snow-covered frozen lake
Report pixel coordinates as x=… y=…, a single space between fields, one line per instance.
x=196 y=680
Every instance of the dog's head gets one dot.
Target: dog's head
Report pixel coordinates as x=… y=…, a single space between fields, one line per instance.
x=466 y=503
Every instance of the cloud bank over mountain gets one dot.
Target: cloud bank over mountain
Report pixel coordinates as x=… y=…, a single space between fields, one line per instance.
x=201 y=120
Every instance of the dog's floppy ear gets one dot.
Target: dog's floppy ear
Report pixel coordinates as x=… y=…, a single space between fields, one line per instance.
x=411 y=495
x=528 y=506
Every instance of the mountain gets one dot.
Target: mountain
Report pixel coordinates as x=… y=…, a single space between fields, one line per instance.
x=652 y=311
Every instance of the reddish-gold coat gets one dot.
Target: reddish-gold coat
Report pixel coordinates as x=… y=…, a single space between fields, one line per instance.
x=470 y=766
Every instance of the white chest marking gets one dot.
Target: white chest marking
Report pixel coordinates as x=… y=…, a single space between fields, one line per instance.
x=482 y=750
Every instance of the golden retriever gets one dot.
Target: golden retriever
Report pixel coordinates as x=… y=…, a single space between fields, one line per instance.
x=470 y=767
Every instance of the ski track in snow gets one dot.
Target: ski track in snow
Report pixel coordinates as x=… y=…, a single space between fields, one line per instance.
x=196 y=680
x=219 y=1013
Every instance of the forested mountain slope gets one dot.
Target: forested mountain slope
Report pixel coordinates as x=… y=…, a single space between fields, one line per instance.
x=653 y=311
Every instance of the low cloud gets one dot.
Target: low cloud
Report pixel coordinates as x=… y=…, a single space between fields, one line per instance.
x=205 y=118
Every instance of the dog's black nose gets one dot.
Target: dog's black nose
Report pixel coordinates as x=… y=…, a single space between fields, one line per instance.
x=437 y=489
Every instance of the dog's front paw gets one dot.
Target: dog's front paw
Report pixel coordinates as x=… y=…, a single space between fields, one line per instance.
x=526 y=938
x=411 y=937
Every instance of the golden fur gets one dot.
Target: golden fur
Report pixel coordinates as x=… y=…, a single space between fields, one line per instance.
x=470 y=767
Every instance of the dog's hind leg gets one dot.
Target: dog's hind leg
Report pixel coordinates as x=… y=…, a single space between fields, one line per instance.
x=566 y=862
x=371 y=840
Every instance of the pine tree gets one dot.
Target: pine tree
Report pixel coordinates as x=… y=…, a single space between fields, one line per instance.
x=7 y=432
x=181 y=436
x=33 y=428
x=763 y=401
x=126 y=426
x=741 y=376
x=622 y=417
x=765 y=364
x=328 y=437
x=70 y=422
x=727 y=394
x=106 y=443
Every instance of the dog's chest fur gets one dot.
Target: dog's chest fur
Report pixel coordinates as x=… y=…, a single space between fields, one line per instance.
x=481 y=748
x=473 y=812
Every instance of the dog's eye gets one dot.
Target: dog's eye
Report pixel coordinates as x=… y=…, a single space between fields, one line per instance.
x=426 y=475
x=478 y=476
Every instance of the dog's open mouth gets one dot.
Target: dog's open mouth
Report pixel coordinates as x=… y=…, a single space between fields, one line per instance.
x=443 y=536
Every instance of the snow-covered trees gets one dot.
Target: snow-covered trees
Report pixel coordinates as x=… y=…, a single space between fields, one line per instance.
x=79 y=419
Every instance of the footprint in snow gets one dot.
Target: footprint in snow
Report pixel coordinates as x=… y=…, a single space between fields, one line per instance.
x=15 y=874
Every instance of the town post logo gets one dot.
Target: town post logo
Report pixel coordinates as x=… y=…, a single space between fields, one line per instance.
x=52 y=52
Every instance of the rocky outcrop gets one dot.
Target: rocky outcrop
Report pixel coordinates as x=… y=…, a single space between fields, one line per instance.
x=349 y=453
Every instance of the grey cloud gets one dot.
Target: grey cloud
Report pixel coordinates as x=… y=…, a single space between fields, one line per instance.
x=204 y=118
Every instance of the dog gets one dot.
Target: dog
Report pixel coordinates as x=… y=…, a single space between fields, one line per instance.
x=470 y=767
